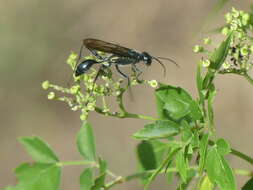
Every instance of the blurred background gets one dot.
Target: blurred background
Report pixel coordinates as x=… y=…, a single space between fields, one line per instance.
x=38 y=36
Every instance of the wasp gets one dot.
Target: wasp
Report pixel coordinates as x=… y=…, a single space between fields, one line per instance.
x=115 y=55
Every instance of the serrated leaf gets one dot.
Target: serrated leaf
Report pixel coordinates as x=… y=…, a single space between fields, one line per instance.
x=203 y=151
x=248 y=185
x=86 y=179
x=86 y=142
x=182 y=165
x=223 y=147
x=146 y=155
x=159 y=129
x=176 y=103
x=219 y=172
x=39 y=150
x=38 y=176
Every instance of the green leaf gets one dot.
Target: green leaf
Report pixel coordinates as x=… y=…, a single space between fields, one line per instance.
x=195 y=140
x=86 y=179
x=146 y=155
x=38 y=176
x=219 y=172
x=219 y=55
x=160 y=149
x=176 y=103
x=186 y=133
x=217 y=59
x=100 y=180
x=169 y=175
x=102 y=166
x=210 y=108
x=160 y=129
x=199 y=78
x=86 y=142
x=39 y=150
x=248 y=185
x=195 y=112
x=223 y=147
x=206 y=184
x=203 y=151
x=163 y=165
x=182 y=165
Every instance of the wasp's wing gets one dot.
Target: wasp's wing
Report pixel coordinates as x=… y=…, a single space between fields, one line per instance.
x=106 y=47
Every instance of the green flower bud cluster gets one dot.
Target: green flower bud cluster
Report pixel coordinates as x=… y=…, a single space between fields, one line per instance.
x=238 y=21
x=240 y=52
x=239 y=59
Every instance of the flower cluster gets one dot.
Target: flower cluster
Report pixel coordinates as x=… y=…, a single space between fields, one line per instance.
x=86 y=92
x=239 y=59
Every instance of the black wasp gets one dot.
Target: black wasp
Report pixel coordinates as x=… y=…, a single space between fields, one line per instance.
x=117 y=55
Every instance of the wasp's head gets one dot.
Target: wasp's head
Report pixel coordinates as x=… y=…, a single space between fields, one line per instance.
x=146 y=58
x=84 y=66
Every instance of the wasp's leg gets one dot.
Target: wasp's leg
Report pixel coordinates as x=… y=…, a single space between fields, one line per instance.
x=123 y=74
x=137 y=71
x=80 y=53
x=94 y=52
x=79 y=57
x=100 y=70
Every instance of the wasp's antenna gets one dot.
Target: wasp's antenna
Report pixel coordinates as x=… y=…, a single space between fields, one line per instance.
x=171 y=60
x=164 y=68
x=79 y=57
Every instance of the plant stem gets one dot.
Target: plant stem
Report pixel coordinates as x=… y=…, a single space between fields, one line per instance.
x=137 y=175
x=72 y=163
x=127 y=115
x=241 y=73
x=248 y=78
x=140 y=116
x=242 y=156
x=76 y=163
x=160 y=168
x=243 y=172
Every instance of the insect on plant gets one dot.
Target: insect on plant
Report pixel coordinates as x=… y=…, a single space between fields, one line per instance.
x=115 y=55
